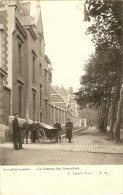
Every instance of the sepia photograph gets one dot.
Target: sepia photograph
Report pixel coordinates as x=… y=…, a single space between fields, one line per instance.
x=61 y=85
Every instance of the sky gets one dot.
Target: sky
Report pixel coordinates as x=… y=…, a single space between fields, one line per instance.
x=67 y=45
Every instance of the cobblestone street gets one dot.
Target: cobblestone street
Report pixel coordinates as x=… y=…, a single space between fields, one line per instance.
x=87 y=147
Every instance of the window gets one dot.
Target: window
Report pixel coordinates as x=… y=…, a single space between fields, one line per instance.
x=1 y=47
x=20 y=100
x=20 y=57
x=40 y=95
x=34 y=105
x=46 y=109
x=40 y=69
x=33 y=69
x=45 y=83
x=40 y=116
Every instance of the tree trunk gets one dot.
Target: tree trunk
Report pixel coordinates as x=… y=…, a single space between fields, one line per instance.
x=106 y=115
x=118 y=122
x=98 y=118
x=102 y=118
x=114 y=110
x=112 y=119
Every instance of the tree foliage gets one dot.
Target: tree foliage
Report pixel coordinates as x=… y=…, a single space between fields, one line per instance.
x=103 y=71
x=107 y=21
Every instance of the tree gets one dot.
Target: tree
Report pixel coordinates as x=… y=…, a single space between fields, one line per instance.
x=102 y=82
x=118 y=121
x=107 y=21
x=99 y=83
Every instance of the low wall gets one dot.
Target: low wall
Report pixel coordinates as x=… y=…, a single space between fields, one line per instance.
x=3 y=130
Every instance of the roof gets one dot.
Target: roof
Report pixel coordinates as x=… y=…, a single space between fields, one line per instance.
x=55 y=97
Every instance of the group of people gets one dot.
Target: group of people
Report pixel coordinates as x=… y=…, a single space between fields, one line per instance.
x=68 y=127
x=20 y=134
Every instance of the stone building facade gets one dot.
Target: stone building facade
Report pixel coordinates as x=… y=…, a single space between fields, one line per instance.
x=25 y=69
x=26 y=87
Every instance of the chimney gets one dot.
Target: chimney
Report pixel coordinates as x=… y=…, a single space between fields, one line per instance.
x=71 y=89
x=26 y=9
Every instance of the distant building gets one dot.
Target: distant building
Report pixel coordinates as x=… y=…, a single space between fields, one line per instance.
x=68 y=98
x=57 y=100
x=64 y=99
x=26 y=69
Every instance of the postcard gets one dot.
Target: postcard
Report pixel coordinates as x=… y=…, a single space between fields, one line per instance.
x=61 y=97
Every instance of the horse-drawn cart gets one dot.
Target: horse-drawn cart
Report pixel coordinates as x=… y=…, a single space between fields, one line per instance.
x=42 y=130
x=47 y=132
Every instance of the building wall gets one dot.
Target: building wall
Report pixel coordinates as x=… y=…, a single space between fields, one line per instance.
x=4 y=41
x=6 y=105
x=60 y=105
x=19 y=77
x=11 y=30
x=60 y=115
x=65 y=117
x=42 y=80
x=32 y=86
x=52 y=115
x=56 y=113
x=15 y=30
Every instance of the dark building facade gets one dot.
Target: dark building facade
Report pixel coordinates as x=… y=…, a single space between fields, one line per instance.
x=26 y=87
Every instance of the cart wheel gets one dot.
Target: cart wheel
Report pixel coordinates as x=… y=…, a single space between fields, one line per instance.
x=54 y=139
x=41 y=135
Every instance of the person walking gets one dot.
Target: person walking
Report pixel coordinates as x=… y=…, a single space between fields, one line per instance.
x=69 y=127
x=91 y=124
x=16 y=134
x=26 y=131
x=58 y=126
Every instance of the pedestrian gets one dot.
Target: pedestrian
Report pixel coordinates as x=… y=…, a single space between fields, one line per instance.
x=58 y=126
x=91 y=124
x=69 y=127
x=26 y=130
x=16 y=134
x=22 y=134
x=37 y=125
x=33 y=132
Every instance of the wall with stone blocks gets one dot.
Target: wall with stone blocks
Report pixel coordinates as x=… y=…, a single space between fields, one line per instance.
x=6 y=105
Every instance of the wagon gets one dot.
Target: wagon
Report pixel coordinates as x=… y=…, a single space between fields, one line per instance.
x=45 y=131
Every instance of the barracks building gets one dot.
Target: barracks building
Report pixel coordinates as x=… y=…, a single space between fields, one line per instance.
x=25 y=69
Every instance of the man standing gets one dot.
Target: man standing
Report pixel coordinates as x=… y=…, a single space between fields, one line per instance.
x=37 y=125
x=26 y=130
x=33 y=132
x=69 y=127
x=58 y=126
x=17 y=140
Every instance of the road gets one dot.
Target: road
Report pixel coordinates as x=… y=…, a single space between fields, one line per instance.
x=88 y=147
